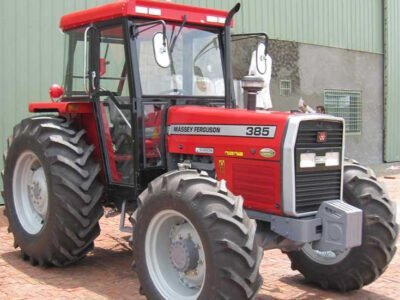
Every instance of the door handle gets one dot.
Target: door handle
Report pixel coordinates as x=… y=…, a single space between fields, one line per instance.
x=93 y=78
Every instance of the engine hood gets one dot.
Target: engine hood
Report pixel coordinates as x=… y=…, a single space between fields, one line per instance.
x=224 y=132
x=213 y=115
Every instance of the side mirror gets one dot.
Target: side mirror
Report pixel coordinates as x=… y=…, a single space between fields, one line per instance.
x=161 y=52
x=261 y=58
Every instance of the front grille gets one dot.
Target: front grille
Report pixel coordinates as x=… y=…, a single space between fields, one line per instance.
x=316 y=185
x=308 y=130
x=313 y=188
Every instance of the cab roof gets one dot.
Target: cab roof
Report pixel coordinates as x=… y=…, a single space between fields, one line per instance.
x=168 y=11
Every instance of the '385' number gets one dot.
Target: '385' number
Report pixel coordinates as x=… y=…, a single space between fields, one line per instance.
x=257 y=131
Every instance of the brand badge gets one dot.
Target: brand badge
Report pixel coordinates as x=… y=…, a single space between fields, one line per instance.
x=267 y=152
x=322 y=136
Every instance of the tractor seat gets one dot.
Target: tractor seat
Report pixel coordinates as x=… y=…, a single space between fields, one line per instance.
x=115 y=116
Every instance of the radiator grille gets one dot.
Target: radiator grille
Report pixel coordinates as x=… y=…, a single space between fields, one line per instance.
x=315 y=186
x=308 y=130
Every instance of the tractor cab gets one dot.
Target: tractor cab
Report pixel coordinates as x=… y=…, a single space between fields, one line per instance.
x=134 y=60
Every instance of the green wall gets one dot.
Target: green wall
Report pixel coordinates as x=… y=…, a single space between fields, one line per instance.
x=31 y=56
x=350 y=24
x=392 y=80
x=31 y=45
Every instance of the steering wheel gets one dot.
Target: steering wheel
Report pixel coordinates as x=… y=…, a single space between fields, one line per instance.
x=179 y=91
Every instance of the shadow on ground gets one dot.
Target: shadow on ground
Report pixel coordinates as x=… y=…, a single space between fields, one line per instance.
x=312 y=291
x=106 y=272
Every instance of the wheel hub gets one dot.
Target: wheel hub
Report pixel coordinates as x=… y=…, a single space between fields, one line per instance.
x=175 y=256
x=30 y=192
x=38 y=192
x=184 y=255
x=325 y=257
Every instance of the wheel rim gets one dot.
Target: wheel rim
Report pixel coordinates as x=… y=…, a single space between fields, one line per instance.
x=325 y=257
x=175 y=256
x=30 y=192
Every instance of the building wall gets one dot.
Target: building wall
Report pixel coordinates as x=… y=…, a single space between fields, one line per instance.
x=350 y=24
x=330 y=68
x=313 y=69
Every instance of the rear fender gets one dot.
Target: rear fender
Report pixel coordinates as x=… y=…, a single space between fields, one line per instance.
x=62 y=107
x=84 y=115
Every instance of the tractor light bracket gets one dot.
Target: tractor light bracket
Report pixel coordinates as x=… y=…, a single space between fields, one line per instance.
x=336 y=226
x=341 y=226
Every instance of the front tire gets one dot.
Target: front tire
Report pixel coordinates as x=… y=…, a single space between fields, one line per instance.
x=192 y=240
x=51 y=191
x=359 y=266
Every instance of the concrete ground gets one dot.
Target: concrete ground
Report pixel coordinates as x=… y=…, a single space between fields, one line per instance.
x=106 y=273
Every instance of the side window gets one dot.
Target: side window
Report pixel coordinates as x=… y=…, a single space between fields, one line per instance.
x=112 y=64
x=116 y=112
x=74 y=62
x=116 y=119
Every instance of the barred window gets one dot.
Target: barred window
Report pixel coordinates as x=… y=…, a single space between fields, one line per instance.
x=285 y=87
x=345 y=104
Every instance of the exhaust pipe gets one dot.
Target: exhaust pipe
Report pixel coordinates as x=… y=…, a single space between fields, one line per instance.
x=252 y=85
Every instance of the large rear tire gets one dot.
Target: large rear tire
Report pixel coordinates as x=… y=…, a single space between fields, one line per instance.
x=359 y=266
x=192 y=240
x=51 y=191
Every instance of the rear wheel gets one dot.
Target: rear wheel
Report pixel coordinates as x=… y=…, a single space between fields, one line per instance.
x=192 y=240
x=51 y=191
x=353 y=268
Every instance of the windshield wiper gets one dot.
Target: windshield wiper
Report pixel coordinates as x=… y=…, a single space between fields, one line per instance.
x=206 y=48
x=173 y=40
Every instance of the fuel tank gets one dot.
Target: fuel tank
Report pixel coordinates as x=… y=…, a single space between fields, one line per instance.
x=245 y=146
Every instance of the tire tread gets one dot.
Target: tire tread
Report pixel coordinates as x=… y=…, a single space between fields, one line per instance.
x=367 y=262
x=77 y=191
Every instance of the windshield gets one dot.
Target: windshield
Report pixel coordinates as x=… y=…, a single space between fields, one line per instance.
x=196 y=62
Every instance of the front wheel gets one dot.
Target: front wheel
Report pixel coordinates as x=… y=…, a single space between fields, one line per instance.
x=192 y=240
x=353 y=268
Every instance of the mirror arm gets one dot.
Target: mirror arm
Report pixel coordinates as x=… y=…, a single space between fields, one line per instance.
x=157 y=22
x=229 y=95
x=252 y=35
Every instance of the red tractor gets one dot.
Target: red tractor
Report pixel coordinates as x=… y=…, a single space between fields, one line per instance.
x=147 y=124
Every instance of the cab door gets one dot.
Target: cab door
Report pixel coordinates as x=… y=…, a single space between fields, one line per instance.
x=112 y=92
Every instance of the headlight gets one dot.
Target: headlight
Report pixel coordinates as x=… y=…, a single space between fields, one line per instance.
x=307 y=160
x=332 y=159
x=311 y=160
